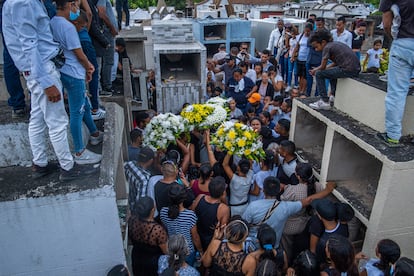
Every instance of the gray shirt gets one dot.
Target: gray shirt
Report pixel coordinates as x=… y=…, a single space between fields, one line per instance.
x=256 y=211
x=406 y=7
x=27 y=34
x=65 y=33
x=342 y=56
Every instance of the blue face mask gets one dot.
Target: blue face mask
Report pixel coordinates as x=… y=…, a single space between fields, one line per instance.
x=73 y=16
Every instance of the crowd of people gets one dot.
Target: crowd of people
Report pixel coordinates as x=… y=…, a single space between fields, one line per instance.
x=194 y=209
x=290 y=62
x=235 y=216
x=67 y=48
x=265 y=217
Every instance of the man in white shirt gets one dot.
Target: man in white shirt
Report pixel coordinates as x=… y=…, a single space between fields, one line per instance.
x=277 y=38
x=340 y=34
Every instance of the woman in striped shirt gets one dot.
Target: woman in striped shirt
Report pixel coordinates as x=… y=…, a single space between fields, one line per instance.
x=179 y=220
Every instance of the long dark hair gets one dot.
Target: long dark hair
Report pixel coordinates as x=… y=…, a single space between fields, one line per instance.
x=267 y=240
x=390 y=253
x=205 y=172
x=306 y=264
x=178 y=195
x=305 y=172
x=342 y=255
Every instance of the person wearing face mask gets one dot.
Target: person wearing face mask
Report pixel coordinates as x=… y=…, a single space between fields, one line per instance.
x=82 y=24
x=36 y=55
x=76 y=70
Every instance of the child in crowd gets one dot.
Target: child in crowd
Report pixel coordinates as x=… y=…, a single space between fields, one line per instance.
x=76 y=69
x=235 y=112
x=373 y=57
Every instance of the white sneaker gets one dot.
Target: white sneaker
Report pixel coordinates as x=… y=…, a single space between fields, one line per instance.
x=288 y=88
x=128 y=28
x=320 y=105
x=96 y=140
x=87 y=157
x=99 y=114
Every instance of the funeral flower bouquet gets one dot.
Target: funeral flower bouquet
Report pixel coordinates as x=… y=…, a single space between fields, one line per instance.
x=196 y=114
x=163 y=130
x=218 y=101
x=216 y=118
x=203 y=116
x=238 y=139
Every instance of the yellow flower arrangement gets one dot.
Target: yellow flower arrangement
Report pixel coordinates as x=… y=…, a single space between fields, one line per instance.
x=238 y=139
x=204 y=116
x=196 y=113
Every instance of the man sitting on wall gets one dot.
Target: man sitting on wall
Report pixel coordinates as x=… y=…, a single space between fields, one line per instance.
x=345 y=64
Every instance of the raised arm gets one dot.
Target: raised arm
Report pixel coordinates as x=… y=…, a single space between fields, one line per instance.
x=226 y=166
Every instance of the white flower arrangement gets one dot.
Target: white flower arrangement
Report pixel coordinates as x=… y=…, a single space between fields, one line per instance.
x=218 y=101
x=216 y=118
x=163 y=130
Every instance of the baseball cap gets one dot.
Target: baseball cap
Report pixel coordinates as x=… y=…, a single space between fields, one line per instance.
x=145 y=154
x=254 y=98
x=325 y=208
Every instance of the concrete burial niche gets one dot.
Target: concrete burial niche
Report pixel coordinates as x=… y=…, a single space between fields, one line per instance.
x=50 y=227
x=179 y=65
x=375 y=179
x=309 y=137
x=231 y=32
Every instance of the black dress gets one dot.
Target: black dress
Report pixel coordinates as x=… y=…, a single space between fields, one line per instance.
x=227 y=262
x=146 y=236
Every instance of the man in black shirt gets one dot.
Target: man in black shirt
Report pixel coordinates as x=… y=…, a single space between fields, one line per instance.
x=345 y=64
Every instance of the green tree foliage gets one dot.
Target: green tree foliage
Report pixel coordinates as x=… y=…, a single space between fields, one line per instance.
x=143 y=4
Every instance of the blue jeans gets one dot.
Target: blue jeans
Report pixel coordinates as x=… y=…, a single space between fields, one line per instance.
x=122 y=5
x=400 y=69
x=309 y=80
x=292 y=67
x=331 y=74
x=12 y=80
x=79 y=109
x=283 y=67
x=90 y=53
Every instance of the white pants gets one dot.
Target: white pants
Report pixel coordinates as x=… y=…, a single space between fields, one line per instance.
x=46 y=115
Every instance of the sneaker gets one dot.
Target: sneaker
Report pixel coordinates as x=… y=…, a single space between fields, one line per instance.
x=321 y=104
x=38 y=171
x=19 y=113
x=98 y=114
x=96 y=140
x=87 y=157
x=288 y=88
x=105 y=93
x=76 y=172
x=128 y=28
x=389 y=141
